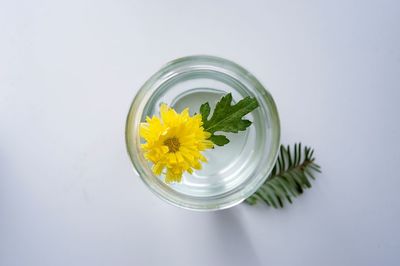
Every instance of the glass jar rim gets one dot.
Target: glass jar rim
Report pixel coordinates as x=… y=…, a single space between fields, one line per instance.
x=191 y=63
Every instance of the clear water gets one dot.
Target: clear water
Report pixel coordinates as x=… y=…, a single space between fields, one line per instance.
x=235 y=170
x=228 y=166
x=215 y=175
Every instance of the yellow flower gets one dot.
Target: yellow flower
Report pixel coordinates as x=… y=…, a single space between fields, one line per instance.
x=174 y=142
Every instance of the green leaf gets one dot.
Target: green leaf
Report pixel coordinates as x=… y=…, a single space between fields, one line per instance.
x=227 y=117
x=219 y=140
x=291 y=175
x=205 y=111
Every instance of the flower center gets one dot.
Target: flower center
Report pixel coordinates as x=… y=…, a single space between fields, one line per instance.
x=172 y=144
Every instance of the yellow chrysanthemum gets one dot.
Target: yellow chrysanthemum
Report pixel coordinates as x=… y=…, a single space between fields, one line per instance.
x=174 y=142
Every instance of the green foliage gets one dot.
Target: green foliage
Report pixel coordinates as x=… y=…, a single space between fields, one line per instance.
x=290 y=176
x=219 y=140
x=227 y=117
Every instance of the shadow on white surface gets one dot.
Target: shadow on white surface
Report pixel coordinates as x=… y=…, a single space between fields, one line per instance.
x=232 y=239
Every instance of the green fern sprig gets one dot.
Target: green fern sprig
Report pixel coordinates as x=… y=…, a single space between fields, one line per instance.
x=289 y=177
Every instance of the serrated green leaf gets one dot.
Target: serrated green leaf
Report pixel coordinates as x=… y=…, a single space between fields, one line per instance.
x=205 y=111
x=219 y=140
x=227 y=117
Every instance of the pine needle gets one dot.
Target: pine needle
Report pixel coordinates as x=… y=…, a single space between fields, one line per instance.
x=289 y=178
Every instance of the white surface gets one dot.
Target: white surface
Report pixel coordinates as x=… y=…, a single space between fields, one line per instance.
x=68 y=73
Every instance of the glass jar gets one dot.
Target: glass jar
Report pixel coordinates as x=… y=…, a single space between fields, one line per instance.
x=234 y=171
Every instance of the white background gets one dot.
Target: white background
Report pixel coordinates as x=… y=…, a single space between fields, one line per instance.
x=68 y=73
